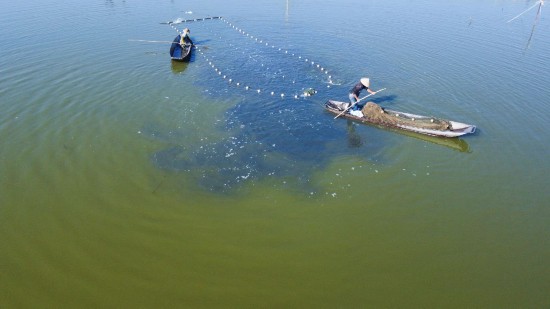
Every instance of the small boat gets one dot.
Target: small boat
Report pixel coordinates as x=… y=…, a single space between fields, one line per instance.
x=375 y=114
x=180 y=52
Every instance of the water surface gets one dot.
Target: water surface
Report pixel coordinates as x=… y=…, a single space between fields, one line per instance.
x=128 y=180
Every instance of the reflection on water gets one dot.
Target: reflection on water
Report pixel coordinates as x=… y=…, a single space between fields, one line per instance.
x=178 y=66
x=458 y=144
x=354 y=139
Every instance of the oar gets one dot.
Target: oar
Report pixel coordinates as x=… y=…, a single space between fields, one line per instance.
x=171 y=42
x=152 y=41
x=358 y=102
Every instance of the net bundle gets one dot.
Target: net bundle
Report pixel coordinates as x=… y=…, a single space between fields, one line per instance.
x=377 y=114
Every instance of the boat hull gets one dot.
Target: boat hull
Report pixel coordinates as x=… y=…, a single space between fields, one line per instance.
x=179 y=52
x=404 y=121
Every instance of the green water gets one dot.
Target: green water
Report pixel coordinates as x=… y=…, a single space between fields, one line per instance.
x=129 y=181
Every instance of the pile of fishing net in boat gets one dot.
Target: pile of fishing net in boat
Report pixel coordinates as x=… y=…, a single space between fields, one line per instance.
x=376 y=114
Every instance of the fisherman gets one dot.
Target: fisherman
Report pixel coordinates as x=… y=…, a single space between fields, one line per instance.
x=185 y=39
x=364 y=83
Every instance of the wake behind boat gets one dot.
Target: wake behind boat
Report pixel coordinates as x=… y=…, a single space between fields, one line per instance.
x=375 y=114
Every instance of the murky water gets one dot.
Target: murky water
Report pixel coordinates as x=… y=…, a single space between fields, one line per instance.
x=128 y=180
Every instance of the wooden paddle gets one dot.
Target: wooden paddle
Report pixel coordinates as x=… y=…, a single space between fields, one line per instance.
x=152 y=41
x=352 y=105
x=171 y=42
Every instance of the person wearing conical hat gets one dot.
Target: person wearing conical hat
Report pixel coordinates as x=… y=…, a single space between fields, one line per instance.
x=185 y=39
x=364 y=83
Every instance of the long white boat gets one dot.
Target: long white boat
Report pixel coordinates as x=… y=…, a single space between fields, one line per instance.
x=373 y=113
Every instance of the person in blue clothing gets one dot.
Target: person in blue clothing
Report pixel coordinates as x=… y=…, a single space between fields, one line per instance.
x=364 y=83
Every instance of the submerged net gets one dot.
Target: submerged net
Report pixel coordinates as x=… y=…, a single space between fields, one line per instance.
x=376 y=114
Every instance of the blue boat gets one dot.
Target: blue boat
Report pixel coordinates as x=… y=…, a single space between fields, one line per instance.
x=180 y=52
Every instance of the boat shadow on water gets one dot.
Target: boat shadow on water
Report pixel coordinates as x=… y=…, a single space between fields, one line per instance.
x=179 y=66
x=455 y=143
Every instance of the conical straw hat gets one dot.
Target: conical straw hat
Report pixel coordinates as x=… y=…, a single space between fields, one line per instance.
x=365 y=81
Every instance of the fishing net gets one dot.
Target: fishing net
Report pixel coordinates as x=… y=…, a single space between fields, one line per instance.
x=376 y=114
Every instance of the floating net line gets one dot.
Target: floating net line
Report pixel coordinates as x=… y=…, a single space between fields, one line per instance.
x=181 y=21
x=300 y=58
x=248 y=86
x=276 y=74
